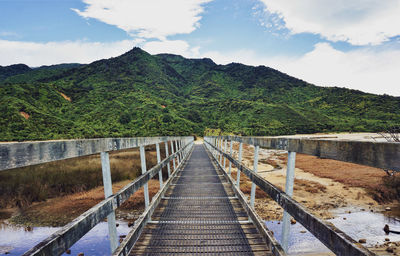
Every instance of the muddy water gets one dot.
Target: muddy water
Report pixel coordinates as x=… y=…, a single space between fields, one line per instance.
x=358 y=225
x=16 y=240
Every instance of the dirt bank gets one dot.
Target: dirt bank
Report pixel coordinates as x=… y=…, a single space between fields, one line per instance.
x=59 y=211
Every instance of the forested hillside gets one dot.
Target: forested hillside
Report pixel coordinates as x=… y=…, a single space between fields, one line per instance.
x=138 y=94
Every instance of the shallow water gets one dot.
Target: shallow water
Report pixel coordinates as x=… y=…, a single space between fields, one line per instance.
x=368 y=225
x=363 y=224
x=17 y=240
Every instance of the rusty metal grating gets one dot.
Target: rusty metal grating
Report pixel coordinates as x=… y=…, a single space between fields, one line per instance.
x=199 y=216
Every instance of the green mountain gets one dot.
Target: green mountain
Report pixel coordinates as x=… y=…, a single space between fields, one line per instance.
x=138 y=94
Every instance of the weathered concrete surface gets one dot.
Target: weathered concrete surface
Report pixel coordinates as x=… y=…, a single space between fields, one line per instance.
x=385 y=155
x=330 y=236
x=19 y=154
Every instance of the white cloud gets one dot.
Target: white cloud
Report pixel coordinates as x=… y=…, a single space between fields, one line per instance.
x=366 y=70
x=9 y=34
x=147 y=18
x=359 y=22
x=37 y=54
x=171 y=46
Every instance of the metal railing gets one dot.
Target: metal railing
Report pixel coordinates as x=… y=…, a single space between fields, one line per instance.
x=383 y=155
x=13 y=155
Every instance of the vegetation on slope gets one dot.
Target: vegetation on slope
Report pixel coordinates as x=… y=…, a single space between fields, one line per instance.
x=138 y=94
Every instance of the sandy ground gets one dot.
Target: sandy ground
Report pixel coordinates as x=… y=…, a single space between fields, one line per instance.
x=340 y=136
x=322 y=196
x=319 y=195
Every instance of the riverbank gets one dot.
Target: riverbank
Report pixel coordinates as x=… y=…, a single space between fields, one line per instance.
x=335 y=191
x=59 y=211
x=332 y=190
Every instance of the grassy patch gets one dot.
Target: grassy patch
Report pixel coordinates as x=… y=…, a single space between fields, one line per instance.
x=21 y=187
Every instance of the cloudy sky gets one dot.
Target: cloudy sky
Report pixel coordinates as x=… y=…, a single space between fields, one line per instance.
x=345 y=43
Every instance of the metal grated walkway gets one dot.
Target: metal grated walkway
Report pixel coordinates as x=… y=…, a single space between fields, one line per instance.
x=200 y=215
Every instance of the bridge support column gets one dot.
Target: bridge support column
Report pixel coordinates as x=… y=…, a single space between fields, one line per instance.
x=253 y=186
x=107 y=182
x=240 y=161
x=158 y=161
x=166 y=155
x=291 y=162
x=230 y=154
x=144 y=170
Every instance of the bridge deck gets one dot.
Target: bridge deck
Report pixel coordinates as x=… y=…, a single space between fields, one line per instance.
x=199 y=215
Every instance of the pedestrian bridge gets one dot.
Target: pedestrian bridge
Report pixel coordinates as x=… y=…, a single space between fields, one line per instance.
x=199 y=208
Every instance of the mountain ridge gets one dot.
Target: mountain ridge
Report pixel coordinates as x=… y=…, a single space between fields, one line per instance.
x=139 y=94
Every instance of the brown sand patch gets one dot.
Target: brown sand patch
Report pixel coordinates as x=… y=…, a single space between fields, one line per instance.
x=24 y=115
x=65 y=96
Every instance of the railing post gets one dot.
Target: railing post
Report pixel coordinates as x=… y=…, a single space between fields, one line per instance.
x=215 y=150
x=230 y=154
x=158 y=161
x=177 y=149
x=220 y=148
x=144 y=170
x=253 y=186
x=173 y=152
x=291 y=161
x=225 y=146
x=180 y=147
x=212 y=149
x=240 y=161
x=107 y=182
x=215 y=144
x=166 y=156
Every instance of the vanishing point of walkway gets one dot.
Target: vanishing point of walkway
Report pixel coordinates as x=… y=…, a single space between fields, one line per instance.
x=200 y=215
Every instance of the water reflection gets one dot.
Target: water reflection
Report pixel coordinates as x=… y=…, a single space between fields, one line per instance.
x=17 y=240
x=368 y=225
x=358 y=225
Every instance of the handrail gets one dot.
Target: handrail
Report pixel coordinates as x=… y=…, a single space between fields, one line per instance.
x=20 y=154
x=333 y=238
x=129 y=241
x=14 y=155
x=268 y=236
x=384 y=155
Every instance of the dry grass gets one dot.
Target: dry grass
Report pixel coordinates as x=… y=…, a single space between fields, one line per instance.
x=60 y=211
x=21 y=187
x=271 y=162
x=309 y=186
x=381 y=187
